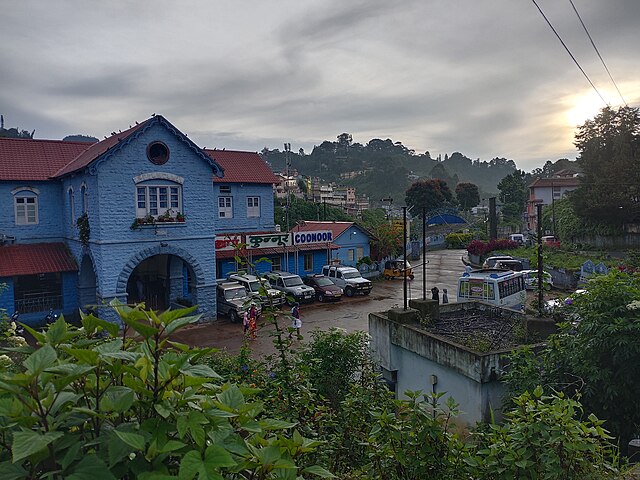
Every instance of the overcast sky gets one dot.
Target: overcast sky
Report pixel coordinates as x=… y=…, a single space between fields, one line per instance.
x=487 y=78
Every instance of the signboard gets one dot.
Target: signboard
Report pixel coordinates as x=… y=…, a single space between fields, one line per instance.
x=476 y=288
x=319 y=236
x=268 y=240
x=227 y=242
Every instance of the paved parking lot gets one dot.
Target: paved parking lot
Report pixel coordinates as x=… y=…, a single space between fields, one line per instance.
x=443 y=269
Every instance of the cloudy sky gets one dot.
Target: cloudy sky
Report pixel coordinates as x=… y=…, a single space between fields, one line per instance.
x=483 y=77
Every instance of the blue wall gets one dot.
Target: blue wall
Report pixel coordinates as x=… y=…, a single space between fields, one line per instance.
x=240 y=222
x=351 y=239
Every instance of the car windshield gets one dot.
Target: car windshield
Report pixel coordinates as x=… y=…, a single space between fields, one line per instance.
x=293 y=281
x=323 y=282
x=233 y=293
x=254 y=286
x=351 y=275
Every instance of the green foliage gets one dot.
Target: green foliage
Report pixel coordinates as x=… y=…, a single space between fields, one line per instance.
x=544 y=438
x=84 y=230
x=569 y=226
x=559 y=258
x=513 y=194
x=468 y=195
x=428 y=194
x=609 y=148
x=300 y=210
x=87 y=406
x=458 y=240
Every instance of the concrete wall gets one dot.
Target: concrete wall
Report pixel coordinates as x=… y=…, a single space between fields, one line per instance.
x=471 y=378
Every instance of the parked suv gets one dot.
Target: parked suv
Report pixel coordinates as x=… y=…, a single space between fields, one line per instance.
x=233 y=300
x=325 y=289
x=349 y=279
x=292 y=286
x=252 y=285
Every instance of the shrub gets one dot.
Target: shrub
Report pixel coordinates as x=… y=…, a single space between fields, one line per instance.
x=458 y=240
x=478 y=247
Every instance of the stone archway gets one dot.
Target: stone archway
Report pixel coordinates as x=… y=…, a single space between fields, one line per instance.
x=156 y=275
x=87 y=283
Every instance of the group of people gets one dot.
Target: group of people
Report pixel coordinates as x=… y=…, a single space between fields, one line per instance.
x=435 y=295
x=250 y=322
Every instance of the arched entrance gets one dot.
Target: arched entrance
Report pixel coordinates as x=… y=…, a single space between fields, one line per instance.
x=87 y=283
x=161 y=276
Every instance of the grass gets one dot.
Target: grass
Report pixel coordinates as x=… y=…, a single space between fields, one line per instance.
x=558 y=258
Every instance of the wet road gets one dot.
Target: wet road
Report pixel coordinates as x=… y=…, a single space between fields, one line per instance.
x=444 y=267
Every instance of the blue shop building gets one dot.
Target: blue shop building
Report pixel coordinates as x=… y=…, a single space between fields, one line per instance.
x=133 y=217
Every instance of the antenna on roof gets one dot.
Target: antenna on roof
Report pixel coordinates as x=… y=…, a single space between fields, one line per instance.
x=136 y=123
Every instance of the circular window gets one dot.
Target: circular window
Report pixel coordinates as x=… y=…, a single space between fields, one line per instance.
x=158 y=153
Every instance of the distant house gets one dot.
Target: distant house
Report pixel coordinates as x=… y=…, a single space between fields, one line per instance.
x=546 y=190
x=352 y=240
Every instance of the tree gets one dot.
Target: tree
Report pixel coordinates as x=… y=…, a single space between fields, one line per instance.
x=429 y=194
x=468 y=195
x=609 y=148
x=596 y=354
x=513 y=194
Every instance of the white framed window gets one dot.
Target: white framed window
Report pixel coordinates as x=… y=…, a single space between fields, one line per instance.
x=26 y=209
x=253 y=206
x=156 y=200
x=350 y=254
x=359 y=253
x=72 y=207
x=225 y=207
x=225 y=189
x=276 y=263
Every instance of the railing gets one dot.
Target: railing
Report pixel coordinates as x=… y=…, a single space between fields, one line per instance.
x=39 y=304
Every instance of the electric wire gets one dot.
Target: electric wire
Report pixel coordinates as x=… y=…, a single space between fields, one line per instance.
x=598 y=52
x=569 y=52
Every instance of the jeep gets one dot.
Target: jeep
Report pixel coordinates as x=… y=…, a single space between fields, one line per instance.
x=292 y=286
x=349 y=279
x=269 y=296
x=233 y=301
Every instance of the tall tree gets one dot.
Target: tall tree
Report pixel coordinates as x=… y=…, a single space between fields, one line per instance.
x=513 y=194
x=468 y=195
x=429 y=194
x=609 y=148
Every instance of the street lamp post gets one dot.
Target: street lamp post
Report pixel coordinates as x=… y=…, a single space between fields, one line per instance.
x=287 y=158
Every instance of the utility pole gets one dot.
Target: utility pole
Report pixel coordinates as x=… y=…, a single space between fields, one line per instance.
x=553 y=209
x=540 y=276
x=287 y=153
x=404 y=253
x=493 y=219
x=424 y=253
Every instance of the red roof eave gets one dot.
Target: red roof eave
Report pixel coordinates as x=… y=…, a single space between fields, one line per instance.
x=35 y=258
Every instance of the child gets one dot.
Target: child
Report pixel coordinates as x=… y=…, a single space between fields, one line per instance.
x=296 y=323
x=253 y=321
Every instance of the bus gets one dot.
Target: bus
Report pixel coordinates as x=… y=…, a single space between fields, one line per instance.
x=495 y=287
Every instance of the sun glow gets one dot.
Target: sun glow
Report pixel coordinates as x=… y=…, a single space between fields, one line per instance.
x=583 y=107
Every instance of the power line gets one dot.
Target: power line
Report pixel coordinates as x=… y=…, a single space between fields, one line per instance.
x=596 y=49
x=569 y=52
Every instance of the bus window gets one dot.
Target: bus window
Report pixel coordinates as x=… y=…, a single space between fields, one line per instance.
x=464 y=289
x=489 y=291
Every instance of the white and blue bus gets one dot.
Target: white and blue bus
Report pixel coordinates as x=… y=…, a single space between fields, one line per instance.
x=496 y=287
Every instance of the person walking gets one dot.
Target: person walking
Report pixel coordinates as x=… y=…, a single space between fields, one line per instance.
x=253 y=321
x=435 y=294
x=445 y=296
x=245 y=322
x=296 y=323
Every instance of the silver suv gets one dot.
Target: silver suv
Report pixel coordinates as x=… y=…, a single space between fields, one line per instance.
x=233 y=301
x=292 y=286
x=268 y=296
x=349 y=279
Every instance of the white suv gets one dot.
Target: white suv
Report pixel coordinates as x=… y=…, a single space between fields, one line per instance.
x=349 y=279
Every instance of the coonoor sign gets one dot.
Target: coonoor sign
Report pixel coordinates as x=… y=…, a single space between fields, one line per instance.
x=321 y=236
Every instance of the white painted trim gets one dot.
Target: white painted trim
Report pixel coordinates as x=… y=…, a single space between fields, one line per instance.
x=158 y=176
x=22 y=189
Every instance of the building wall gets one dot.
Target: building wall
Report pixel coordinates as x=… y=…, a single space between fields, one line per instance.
x=240 y=222
x=49 y=227
x=351 y=239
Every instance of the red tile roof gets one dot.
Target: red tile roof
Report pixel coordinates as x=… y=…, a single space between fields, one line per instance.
x=242 y=167
x=556 y=182
x=97 y=149
x=34 y=258
x=336 y=228
x=28 y=159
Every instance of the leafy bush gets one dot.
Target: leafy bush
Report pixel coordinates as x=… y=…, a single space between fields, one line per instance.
x=85 y=406
x=478 y=247
x=458 y=240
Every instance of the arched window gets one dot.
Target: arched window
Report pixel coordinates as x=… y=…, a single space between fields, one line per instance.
x=25 y=205
x=72 y=207
x=159 y=195
x=85 y=198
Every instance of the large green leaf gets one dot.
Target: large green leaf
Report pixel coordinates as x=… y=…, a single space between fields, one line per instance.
x=231 y=397
x=215 y=456
x=179 y=323
x=91 y=467
x=42 y=358
x=26 y=443
x=10 y=471
x=190 y=465
x=319 y=471
x=92 y=323
x=199 y=371
x=83 y=355
x=134 y=440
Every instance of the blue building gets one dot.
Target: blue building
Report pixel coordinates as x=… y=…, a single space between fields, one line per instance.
x=133 y=217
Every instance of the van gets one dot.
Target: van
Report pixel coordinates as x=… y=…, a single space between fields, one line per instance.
x=518 y=238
